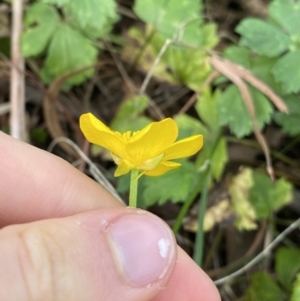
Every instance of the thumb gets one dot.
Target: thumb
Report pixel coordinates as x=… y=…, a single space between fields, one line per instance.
x=109 y=254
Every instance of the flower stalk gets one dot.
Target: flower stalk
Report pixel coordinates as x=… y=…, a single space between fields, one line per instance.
x=133 y=188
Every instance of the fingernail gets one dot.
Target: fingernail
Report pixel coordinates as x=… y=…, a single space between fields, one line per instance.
x=144 y=247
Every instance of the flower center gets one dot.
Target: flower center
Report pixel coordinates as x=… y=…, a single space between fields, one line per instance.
x=128 y=135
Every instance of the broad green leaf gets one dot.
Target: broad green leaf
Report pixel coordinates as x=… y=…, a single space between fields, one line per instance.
x=56 y=2
x=233 y=111
x=168 y=17
x=132 y=107
x=239 y=55
x=96 y=33
x=262 y=37
x=206 y=107
x=210 y=36
x=189 y=66
x=92 y=13
x=93 y=17
x=41 y=21
x=128 y=116
x=267 y=196
x=296 y=290
x=262 y=68
x=173 y=186
x=286 y=72
x=123 y=183
x=218 y=156
x=189 y=126
x=287 y=265
x=240 y=205
x=290 y=122
x=263 y=288
x=287 y=14
x=69 y=51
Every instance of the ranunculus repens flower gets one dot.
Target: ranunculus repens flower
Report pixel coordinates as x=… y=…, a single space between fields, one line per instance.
x=150 y=150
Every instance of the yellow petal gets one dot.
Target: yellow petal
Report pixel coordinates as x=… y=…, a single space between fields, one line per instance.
x=151 y=141
x=184 y=148
x=162 y=168
x=98 y=133
x=123 y=168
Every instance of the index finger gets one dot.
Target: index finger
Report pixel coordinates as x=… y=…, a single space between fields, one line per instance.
x=35 y=184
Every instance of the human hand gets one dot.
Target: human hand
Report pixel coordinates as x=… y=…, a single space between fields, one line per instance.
x=66 y=238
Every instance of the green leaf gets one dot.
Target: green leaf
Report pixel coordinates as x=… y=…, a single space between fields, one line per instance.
x=56 y=2
x=123 y=183
x=127 y=118
x=287 y=72
x=240 y=205
x=92 y=13
x=239 y=55
x=263 y=288
x=262 y=68
x=173 y=186
x=290 y=122
x=262 y=37
x=287 y=265
x=296 y=290
x=189 y=126
x=96 y=33
x=287 y=14
x=206 y=107
x=218 y=157
x=92 y=17
x=169 y=16
x=189 y=66
x=233 y=111
x=69 y=51
x=41 y=21
x=267 y=196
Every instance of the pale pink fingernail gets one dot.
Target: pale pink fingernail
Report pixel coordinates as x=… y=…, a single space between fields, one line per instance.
x=144 y=246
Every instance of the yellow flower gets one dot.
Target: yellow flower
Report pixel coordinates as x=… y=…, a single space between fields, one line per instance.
x=148 y=150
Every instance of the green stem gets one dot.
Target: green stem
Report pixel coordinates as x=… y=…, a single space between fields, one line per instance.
x=188 y=203
x=198 y=252
x=133 y=188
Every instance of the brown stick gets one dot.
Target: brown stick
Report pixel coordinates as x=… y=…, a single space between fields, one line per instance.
x=17 y=97
x=229 y=71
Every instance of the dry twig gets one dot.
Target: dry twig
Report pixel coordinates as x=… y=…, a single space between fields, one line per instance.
x=17 y=95
x=261 y=255
x=229 y=70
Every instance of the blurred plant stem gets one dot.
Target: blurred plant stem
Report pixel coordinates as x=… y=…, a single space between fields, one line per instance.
x=17 y=95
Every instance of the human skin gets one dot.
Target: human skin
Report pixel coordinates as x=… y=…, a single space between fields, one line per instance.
x=61 y=233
